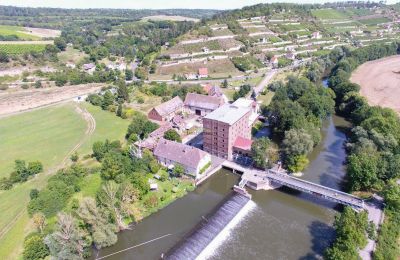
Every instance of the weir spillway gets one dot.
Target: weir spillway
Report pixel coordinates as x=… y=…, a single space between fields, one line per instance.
x=193 y=244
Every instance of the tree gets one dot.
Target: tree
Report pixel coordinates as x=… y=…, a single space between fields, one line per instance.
x=297 y=142
x=108 y=100
x=179 y=170
x=119 y=110
x=128 y=74
x=114 y=164
x=39 y=220
x=74 y=157
x=108 y=196
x=34 y=193
x=103 y=233
x=35 y=248
x=123 y=92
x=67 y=241
x=259 y=152
x=362 y=169
x=297 y=163
x=391 y=194
x=60 y=43
x=172 y=135
x=38 y=84
x=34 y=167
x=225 y=83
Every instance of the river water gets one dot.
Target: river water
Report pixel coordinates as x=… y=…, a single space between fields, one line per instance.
x=281 y=224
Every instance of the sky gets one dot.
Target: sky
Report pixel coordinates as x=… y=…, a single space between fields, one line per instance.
x=146 y=4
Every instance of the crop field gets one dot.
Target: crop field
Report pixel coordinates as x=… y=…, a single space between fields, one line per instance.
x=47 y=135
x=7 y=30
x=328 y=14
x=222 y=32
x=21 y=48
x=374 y=21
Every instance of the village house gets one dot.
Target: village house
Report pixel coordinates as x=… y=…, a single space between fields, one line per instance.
x=203 y=73
x=290 y=55
x=274 y=62
x=193 y=160
x=89 y=68
x=316 y=35
x=201 y=105
x=167 y=110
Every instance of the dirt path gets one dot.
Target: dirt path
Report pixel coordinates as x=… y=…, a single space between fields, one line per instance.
x=380 y=82
x=91 y=127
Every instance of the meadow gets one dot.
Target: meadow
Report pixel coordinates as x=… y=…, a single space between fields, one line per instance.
x=46 y=134
x=326 y=14
x=8 y=30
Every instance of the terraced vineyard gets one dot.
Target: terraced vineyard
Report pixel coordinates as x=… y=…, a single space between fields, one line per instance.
x=21 y=48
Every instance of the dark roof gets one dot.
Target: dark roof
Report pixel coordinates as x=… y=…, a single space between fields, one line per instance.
x=170 y=106
x=203 y=101
x=180 y=153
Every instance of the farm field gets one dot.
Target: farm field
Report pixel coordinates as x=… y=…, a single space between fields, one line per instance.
x=20 y=32
x=16 y=48
x=328 y=14
x=379 y=82
x=56 y=130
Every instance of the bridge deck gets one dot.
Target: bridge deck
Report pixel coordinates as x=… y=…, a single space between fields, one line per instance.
x=301 y=185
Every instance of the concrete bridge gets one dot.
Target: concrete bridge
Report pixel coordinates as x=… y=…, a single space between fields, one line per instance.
x=258 y=179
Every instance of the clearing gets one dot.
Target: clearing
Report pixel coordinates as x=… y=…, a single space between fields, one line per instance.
x=58 y=130
x=20 y=100
x=8 y=30
x=379 y=81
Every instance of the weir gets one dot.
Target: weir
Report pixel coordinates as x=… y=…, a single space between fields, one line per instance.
x=208 y=229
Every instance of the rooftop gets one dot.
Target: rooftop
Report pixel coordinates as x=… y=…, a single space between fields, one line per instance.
x=243 y=143
x=170 y=106
x=228 y=113
x=203 y=101
x=180 y=153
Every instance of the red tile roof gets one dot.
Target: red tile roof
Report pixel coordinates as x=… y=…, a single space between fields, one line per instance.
x=243 y=143
x=203 y=71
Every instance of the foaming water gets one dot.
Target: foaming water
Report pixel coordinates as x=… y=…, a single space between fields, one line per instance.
x=225 y=234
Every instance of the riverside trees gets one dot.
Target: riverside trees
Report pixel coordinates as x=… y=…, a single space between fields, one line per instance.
x=296 y=113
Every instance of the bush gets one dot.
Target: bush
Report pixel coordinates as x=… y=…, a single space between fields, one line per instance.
x=151 y=201
x=35 y=248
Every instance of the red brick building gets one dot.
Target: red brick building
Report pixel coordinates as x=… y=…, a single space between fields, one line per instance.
x=223 y=126
x=167 y=110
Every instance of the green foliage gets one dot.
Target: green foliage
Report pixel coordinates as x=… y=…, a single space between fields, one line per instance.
x=351 y=228
x=114 y=165
x=101 y=148
x=297 y=163
x=246 y=63
x=141 y=126
x=179 y=170
x=173 y=135
x=59 y=189
x=297 y=142
x=243 y=91
x=21 y=173
x=17 y=49
x=259 y=152
x=35 y=248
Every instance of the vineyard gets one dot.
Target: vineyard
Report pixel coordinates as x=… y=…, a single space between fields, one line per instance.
x=21 y=48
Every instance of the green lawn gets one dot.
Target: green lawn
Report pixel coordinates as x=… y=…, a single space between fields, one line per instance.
x=266 y=99
x=7 y=30
x=47 y=135
x=71 y=55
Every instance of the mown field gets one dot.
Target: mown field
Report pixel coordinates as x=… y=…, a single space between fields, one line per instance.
x=47 y=135
x=8 y=30
x=21 y=48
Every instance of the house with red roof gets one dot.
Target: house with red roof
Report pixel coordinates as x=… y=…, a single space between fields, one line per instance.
x=203 y=73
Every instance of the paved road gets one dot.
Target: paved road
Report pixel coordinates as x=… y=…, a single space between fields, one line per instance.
x=264 y=82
